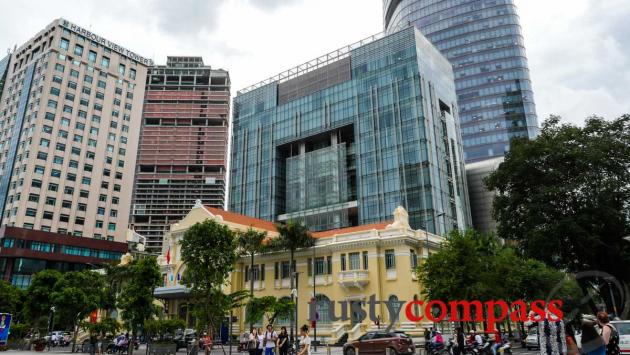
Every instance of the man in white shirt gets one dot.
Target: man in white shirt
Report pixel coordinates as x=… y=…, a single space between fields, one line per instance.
x=270 y=340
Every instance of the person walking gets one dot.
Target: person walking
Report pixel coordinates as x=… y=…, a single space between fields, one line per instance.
x=609 y=334
x=282 y=342
x=269 y=340
x=459 y=341
x=592 y=341
x=261 y=339
x=305 y=341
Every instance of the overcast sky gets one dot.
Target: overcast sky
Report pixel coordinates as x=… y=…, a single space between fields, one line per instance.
x=578 y=50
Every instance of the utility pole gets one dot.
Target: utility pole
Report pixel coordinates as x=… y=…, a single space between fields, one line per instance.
x=314 y=274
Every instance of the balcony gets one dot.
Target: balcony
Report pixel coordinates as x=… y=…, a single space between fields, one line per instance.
x=354 y=278
x=320 y=280
x=258 y=285
x=282 y=283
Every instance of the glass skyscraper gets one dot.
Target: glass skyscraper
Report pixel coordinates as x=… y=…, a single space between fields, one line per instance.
x=346 y=138
x=482 y=39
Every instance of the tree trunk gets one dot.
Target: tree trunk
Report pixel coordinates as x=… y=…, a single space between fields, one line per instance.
x=74 y=337
x=251 y=283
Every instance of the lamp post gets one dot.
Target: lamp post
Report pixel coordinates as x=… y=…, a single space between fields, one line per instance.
x=314 y=275
x=294 y=296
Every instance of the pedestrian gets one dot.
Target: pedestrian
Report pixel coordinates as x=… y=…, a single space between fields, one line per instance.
x=305 y=341
x=283 y=343
x=592 y=341
x=270 y=339
x=427 y=338
x=572 y=348
x=93 y=343
x=261 y=338
x=609 y=334
x=460 y=342
x=252 y=344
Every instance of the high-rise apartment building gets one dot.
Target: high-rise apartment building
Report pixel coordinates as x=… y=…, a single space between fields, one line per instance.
x=69 y=123
x=183 y=145
x=346 y=138
x=482 y=39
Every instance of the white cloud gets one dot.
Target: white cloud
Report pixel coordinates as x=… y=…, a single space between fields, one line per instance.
x=579 y=50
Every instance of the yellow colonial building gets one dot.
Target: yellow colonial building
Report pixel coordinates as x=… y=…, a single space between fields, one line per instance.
x=347 y=266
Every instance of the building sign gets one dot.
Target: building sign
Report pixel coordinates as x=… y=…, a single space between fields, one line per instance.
x=5 y=324
x=104 y=42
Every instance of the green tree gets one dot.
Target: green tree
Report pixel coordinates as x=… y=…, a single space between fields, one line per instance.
x=563 y=197
x=250 y=243
x=136 y=297
x=209 y=251
x=75 y=295
x=473 y=266
x=12 y=299
x=269 y=308
x=293 y=236
x=39 y=297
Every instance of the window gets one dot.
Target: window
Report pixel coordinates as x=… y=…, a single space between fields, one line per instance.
x=65 y=122
x=390 y=259
x=63 y=218
x=73 y=164
x=113 y=213
x=87 y=167
x=101 y=84
x=343 y=262
x=92 y=56
x=57 y=79
x=66 y=204
x=365 y=260
x=59 y=67
x=86 y=180
x=67 y=108
x=71 y=177
x=111 y=227
x=64 y=44
x=72 y=84
x=58 y=160
x=68 y=190
x=81 y=207
x=74 y=74
x=50 y=116
x=99 y=224
x=285 y=270
x=121 y=69
x=44 y=142
x=60 y=146
x=102 y=198
x=55 y=91
x=105 y=62
x=31 y=212
x=51 y=201
x=55 y=173
x=413 y=259
x=53 y=187
x=355 y=261
x=115 y=200
x=101 y=210
x=36 y=183
x=39 y=169
x=79 y=220
x=132 y=74
x=52 y=103
x=78 y=49
x=33 y=198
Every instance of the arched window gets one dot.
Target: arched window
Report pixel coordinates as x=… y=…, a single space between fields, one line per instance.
x=283 y=319
x=323 y=309
x=395 y=305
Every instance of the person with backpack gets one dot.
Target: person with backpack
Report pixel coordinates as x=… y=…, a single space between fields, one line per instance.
x=270 y=340
x=609 y=334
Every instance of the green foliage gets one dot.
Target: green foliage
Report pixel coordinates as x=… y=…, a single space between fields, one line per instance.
x=162 y=327
x=39 y=296
x=293 y=235
x=473 y=266
x=269 y=308
x=563 y=197
x=76 y=294
x=104 y=326
x=19 y=330
x=12 y=299
x=136 y=297
x=251 y=242
x=209 y=251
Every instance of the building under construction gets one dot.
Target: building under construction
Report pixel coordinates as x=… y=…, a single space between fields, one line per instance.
x=183 y=145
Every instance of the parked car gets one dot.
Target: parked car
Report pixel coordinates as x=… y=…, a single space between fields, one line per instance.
x=378 y=342
x=623 y=328
x=531 y=342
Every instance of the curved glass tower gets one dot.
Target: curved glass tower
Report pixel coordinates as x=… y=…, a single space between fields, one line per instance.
x=482 y=39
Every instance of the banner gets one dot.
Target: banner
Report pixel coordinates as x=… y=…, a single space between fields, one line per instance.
x=5 y=324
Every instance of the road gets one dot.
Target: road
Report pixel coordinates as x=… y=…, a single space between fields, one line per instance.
x=217 y=351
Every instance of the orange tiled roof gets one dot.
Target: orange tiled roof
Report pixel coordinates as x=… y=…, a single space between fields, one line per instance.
x=242 y=219
x=365 y=227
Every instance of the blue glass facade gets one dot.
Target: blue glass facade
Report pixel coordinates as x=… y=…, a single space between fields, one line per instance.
x=345 y=143
x=482 y=39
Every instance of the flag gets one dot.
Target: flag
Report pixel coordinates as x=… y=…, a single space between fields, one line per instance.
x=168 y=256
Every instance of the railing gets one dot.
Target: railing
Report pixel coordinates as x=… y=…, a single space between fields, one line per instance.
x=337 y=332
x=258 y=285
x=355 y=332
x=320 y=280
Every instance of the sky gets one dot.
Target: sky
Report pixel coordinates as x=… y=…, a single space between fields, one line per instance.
x=578 y=50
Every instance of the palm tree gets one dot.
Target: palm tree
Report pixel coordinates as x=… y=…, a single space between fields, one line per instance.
x=293 y=236
x=250 y=243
